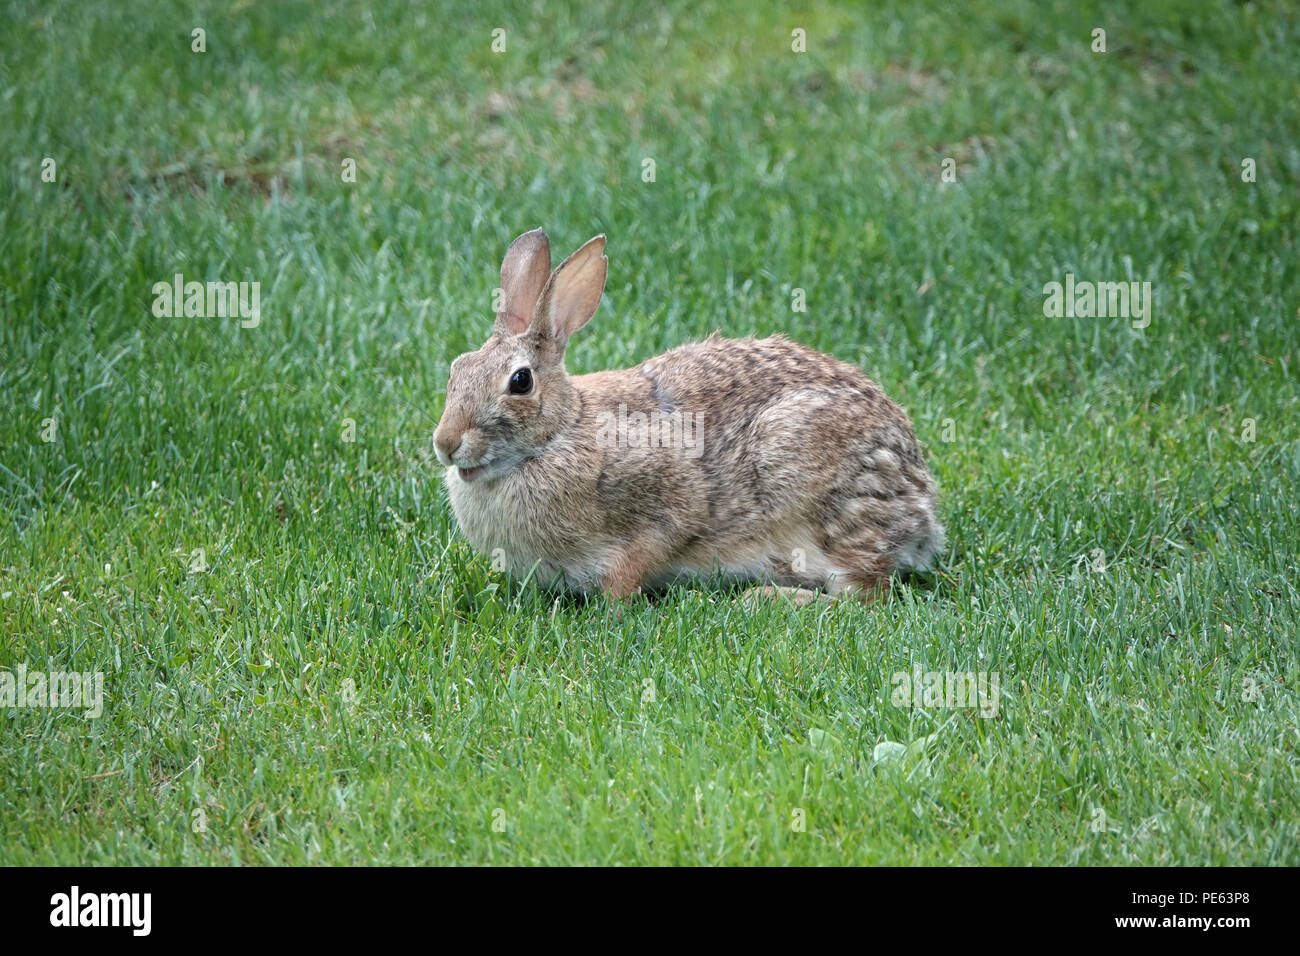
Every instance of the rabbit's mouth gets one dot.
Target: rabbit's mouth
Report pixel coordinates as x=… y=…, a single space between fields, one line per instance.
x=488 y=469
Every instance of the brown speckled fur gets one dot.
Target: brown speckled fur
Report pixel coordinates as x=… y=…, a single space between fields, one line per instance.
x=809 y=477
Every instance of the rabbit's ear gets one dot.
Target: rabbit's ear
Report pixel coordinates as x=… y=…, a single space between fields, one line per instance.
x=570 y=298
x=524 y=272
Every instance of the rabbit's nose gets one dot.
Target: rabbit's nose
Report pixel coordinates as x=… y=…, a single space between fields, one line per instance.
x=446 y=444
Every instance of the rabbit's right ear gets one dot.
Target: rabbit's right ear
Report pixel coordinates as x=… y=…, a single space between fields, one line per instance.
x=570 y=298
x=524 y=272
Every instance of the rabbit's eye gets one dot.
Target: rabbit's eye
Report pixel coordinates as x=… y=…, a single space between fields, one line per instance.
x=521 y=383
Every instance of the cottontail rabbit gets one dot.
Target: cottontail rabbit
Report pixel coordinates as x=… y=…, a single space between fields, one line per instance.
x=757 y=458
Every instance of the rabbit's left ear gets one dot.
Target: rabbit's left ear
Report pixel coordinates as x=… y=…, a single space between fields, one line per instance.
x=524 y=272
x=572 y=293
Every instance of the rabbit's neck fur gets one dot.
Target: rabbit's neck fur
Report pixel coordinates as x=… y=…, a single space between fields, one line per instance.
x=520 y=519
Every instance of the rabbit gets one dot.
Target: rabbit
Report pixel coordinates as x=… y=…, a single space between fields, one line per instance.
x=760 y=459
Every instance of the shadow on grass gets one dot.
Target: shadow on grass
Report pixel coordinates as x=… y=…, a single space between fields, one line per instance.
x=530 y=596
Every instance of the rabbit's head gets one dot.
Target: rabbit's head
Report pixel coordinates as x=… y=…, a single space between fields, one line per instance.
x=506 y=401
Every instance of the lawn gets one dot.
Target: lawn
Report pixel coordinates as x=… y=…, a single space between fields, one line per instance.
x=241 y=525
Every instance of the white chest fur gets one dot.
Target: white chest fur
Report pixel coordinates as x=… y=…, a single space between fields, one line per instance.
x=505 y=521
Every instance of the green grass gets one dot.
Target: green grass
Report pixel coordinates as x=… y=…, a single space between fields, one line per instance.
x=348 y=682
